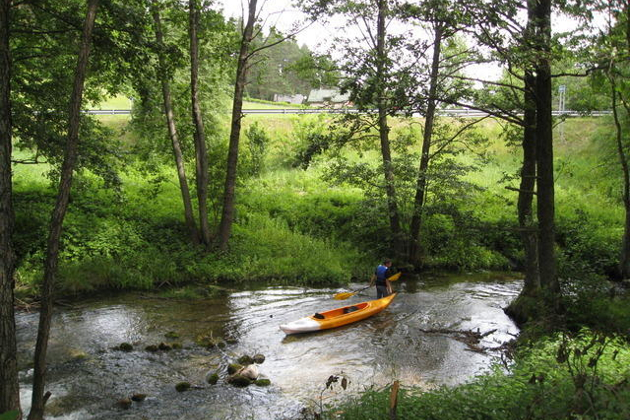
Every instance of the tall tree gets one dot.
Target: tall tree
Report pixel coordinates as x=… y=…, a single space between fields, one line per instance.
x=380 y=85
x=544 y=154
x=59 y=212
x=421 y=185
x=9 y=386
x=612 y=54
x=244 y=55
x=443 y=21
x=163 y=75
x=369 y=62
x=201 y=152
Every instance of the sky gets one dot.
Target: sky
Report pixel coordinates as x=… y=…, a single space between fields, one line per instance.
x=283 y=15
x=317 y=37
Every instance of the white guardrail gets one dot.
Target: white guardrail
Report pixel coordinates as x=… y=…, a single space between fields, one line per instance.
x=446 y=112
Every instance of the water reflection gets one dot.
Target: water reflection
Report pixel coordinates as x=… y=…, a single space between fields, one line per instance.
x=87 y=376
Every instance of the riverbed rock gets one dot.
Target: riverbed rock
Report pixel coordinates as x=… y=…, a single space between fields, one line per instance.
x=124 y=403
x=77 y=354
x=212 y=377
x=171 y=335
x=176 y=345
x=245 y=360
x=232 y=368
x=164 y=346
x=259 y=358
x=249 y=371
x=207 y=341
x=262 y=382
x=182 y=386
x=138 y=397
x=151 y=348
x=239 y=380
x=125 y=347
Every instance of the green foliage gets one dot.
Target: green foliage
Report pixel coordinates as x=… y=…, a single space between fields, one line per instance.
x=584 y=377
x=10 y=415
x=311 y=138
x=458 y=246
x=587 y=244
x=258 y=141
x=134 y=239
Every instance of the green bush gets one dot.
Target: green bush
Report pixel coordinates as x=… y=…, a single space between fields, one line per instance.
x=584 y=376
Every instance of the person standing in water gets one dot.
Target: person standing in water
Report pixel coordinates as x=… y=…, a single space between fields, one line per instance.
x=382 y=272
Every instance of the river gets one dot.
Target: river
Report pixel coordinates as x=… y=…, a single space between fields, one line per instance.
x=87 y=375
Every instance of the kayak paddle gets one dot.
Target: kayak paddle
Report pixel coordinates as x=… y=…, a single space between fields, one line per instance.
x=346 y=295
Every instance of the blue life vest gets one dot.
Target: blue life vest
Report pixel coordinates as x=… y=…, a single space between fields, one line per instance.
x=381 y=275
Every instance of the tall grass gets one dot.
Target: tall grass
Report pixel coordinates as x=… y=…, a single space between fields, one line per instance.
x=580 y=377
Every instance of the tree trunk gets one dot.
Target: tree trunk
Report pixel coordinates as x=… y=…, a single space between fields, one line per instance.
x=383 y=127
x=9 y=384
x=544 y=157
x=59 y=212
x=526 y=305
x=172 y=130
x=624 y=260
x=200 y=137
x=421 y=185
x=227 y=216
x=526 y=193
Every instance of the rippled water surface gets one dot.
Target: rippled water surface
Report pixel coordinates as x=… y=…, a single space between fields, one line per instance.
x=87 y=376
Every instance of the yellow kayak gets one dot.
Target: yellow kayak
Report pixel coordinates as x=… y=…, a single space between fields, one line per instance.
x=338 y=317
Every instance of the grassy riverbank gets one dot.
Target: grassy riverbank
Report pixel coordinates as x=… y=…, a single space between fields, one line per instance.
x=581 y=376
x=293 y=227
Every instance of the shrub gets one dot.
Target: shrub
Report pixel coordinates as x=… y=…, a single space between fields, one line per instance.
x=583 y=376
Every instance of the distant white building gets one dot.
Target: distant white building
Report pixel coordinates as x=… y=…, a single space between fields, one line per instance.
x=297 y=99
x=327 y=97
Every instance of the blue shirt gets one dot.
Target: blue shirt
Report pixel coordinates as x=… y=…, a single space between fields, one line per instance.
x=381 y=275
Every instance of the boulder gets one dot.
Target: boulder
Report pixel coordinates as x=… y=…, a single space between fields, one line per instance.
x=124 y=403
x=239 y=380
x=125 y=347
x=233 y=368
x=164 y=346
x=182 y=386
x=245 y=360
x=138 y=397
x=262 y=382
x=249 y=371
x=259 y=358
x=212 y=377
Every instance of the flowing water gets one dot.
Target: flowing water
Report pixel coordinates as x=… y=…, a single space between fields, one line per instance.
x=87 y=376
